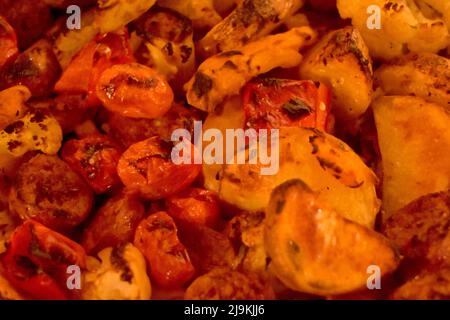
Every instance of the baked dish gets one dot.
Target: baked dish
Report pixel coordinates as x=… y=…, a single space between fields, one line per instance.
x=224 y=149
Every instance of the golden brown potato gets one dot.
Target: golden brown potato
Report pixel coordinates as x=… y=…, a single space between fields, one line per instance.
x=229 y=115
x=422 y=229
x=250 y=20
x=313 y=249
x=432 y=285
x=425 y=75
x=341 y=60
x=414 y=141
x=324 y=162
x=404 y=27
x=225 y=284
x=224 y=75
x=202 y=13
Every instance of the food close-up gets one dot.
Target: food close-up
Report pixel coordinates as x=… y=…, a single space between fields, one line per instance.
x=225 y=149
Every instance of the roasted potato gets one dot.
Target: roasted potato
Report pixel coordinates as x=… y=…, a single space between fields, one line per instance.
x=36 y=68
x=422 y=228
x=425 y=75
x=114 y=223
x=414 y=141
x=341 y=60
x=429 y=285
x=225 y=284
x=404 y=27
x=314 y=249
x=324 y=162
x=119 y=275
x=250 y=20
x=47 y=190
x=223 y=75
x=202 y=13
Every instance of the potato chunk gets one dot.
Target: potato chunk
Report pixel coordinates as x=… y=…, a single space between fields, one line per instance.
x=327 y=164
x=313 y=249
x=414 y=141
x=425 y=75
x=224 y=75
x=341 y=60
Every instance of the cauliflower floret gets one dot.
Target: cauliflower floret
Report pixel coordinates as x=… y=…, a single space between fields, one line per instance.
x=405 y=26
x=121 y=275
x=12 y=102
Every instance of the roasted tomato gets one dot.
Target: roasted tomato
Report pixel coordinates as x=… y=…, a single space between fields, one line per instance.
x=146 y=167
x=135 y=91
x=156 y=237
x=95 y=158
x=47 y=190
x=127 y=131
x=8 y=42
x=276 y=103
x=36 y=68
x=114 y=223
x=83 y=73
x=196 y=206
x=37 y=262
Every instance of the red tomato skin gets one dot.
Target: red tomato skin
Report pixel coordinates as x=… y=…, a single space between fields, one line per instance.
x=95 y=158
x=169 y=262
x=195 y=206
x=277 y=103
x=37 y=259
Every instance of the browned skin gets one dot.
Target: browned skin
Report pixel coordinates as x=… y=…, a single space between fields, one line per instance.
x=114 y=223
x=225 y=284
x=47 y=190
x=36 y=68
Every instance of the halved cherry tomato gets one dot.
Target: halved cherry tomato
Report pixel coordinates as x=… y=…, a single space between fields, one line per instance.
x=83 y=73
x=37 y=259
x=146 y=167
x=169 y=262
x=276 y=103
x=196 y=206
x=8 y=42
x=95 y=158
x=135 y=91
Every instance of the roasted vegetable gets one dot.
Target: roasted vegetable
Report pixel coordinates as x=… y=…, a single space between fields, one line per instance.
x=36 y=68
x=47 y=190
x=225 y=74
x=8 y=42
x=146 y=168
x=201 y=12
x=110 y=16
x=12 y=104
x=135 y=91
x=119 y=275
x=403 y=27
x=425 y=75
x=275 y=103
x=225 y=284
x=324 y=162
x=414 y=139
x=313 y=249
x=169 y=263
x=114 y=223
x=168 y=45
x=37 y=260
x=341 y=60
x=251 y=20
